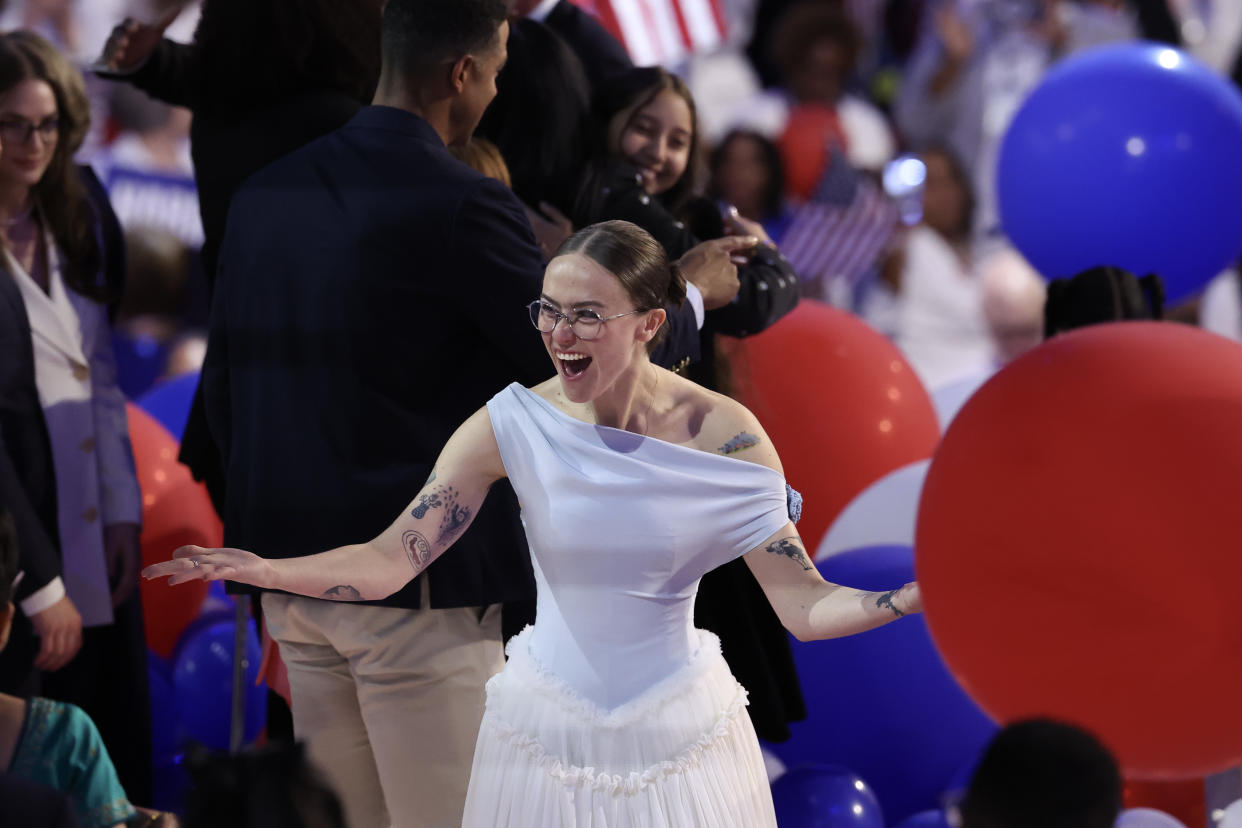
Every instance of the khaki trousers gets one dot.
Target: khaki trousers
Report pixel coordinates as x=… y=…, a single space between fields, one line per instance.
x=388 y=701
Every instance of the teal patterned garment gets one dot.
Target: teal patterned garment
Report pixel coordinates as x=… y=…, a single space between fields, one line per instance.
x=60 y=747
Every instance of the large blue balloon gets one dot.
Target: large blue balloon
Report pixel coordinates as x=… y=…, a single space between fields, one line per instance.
x=824 y=796
x=1126 y=155
x=883 y=703
x=165 y=722
x=203 y=679
x=169 y=402
x=926 y=819
x=139 y=362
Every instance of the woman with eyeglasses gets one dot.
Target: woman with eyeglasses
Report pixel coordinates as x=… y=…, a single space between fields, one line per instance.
x=613 y=710
x=52 y=264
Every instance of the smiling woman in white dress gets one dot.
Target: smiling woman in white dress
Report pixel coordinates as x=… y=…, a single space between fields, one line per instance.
x=50 y=250
x=634 y=482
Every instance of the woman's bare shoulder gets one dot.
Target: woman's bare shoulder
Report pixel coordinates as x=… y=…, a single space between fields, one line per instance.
x=721 y=425
x=549 y=389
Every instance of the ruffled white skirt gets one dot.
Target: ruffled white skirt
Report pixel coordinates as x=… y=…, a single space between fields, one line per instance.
x=682 y=754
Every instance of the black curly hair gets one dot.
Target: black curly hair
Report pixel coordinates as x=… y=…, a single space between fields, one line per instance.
x=1101 y=294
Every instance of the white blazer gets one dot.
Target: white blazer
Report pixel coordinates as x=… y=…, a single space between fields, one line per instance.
x=96 y=485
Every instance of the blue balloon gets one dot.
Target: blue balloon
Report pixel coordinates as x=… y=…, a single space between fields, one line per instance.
x=170 y=782
x=925 y=819
x=960 y=780
x=139 y=362
x=824 y=796
x=169 y=402
x=1126 y=155
x=203 y=679
x=165 y=723
x=882 y=702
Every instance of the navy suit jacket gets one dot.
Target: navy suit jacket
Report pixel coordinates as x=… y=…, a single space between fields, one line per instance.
x=370 y=297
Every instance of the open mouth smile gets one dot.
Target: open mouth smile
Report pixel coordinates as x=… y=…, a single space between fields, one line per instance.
x=572 y=365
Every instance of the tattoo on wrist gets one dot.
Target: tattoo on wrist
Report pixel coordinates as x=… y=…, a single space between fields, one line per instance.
x=790 y=548
x=885 y=601
x=416 y=549
x=343 y=592
x=742 y=441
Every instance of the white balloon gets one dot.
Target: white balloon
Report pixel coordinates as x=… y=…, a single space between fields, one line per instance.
x=883 y=514
x=949 y=398
x=1147 y=818
x=773 y=765
x=1231 y=817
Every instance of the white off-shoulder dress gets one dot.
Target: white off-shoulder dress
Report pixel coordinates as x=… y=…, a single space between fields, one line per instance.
x=613 y=710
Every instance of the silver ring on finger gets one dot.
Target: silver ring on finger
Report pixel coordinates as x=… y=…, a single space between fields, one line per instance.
x=195 y=561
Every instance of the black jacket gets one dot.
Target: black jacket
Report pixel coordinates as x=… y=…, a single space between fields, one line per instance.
x=602 y=55
x=228 y=147
x=27 y=474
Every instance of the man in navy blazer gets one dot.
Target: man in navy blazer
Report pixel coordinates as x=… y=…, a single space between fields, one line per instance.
x=370 y=296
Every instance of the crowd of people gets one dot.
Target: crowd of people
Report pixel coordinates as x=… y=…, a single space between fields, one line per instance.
x=336 y=210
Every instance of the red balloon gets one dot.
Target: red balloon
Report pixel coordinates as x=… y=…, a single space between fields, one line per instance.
x=1185 y=799
x=840 y=403
x=809 y=132
x=1078 y=543
x=175 y=511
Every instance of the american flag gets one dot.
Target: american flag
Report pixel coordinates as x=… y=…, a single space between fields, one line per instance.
x=834 y=240
x=664 y=32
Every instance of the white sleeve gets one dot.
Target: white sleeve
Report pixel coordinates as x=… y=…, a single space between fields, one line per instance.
x=44 y=597
x=695 y=297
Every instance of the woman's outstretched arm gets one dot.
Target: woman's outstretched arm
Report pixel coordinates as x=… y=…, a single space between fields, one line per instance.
x=467 y=467
x=812 y=608
x=808 y=606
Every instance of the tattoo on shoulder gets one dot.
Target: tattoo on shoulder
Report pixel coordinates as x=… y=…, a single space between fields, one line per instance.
x=885 y=601
x=416 y=549
x=790 y=548
x=343 y=592
x=742 y=441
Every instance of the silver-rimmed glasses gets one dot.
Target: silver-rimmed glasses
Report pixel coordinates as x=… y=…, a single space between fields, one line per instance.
x=586 y=324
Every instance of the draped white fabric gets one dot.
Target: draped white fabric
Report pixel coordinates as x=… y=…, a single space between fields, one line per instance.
x=613 y=710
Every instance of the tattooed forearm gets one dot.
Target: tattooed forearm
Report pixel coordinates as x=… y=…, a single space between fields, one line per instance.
x=344 y=592
x=885 y=601
x=790 y=548
x=744 y=440
x=416 y=549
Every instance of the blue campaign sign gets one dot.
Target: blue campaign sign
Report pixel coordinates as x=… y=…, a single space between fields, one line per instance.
x=156 y=200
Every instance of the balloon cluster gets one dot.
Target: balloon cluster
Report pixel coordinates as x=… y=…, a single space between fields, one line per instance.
x=1075 y=529
x=190 y=635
